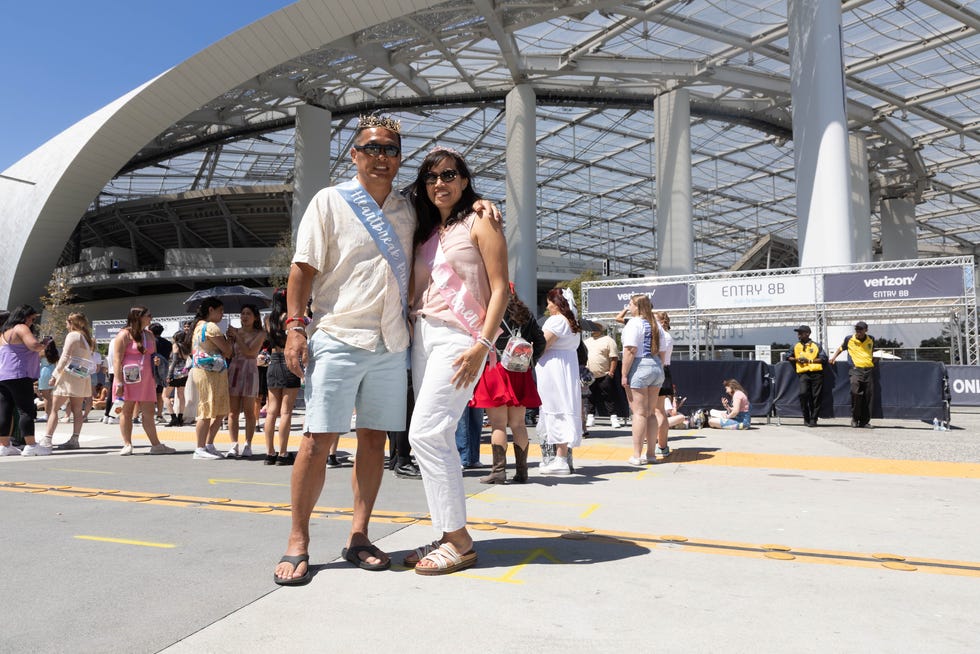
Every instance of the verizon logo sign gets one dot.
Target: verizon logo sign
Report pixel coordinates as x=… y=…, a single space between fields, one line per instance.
x=885 y=280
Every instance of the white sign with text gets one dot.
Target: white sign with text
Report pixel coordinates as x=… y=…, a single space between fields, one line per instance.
x=781 y=290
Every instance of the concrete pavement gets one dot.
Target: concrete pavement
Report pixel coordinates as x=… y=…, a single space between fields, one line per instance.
x=778 y=539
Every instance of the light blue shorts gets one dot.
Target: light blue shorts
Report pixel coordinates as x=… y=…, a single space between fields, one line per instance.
x=341 y=377
x=646 y=372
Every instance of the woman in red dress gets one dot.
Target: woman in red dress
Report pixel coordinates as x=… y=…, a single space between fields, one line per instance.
x=506 y=395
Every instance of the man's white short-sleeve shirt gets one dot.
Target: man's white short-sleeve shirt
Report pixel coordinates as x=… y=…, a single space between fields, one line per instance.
x=355 y=293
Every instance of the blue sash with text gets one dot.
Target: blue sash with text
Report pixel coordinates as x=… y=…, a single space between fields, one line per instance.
x=374 y=221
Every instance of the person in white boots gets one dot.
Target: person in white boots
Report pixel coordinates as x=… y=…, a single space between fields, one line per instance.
x=72 y=379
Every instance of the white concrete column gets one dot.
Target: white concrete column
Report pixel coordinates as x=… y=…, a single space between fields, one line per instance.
x=860 y=199
x=675 y=227
x=521 y=213
x=823 y=197
x=312 y=166
x=898 y=230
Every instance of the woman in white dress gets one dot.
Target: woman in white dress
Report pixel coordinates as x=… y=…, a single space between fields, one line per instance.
x=560 y=417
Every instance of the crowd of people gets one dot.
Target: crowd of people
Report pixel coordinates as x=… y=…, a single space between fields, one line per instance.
x=148 y=380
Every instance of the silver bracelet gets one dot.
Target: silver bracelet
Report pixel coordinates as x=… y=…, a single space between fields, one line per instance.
x=297 y=328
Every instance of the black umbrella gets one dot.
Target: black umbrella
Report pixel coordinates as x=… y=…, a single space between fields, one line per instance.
x=233 y=297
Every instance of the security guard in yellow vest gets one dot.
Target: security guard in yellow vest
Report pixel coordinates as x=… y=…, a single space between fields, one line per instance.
x=809 y=357
x=860 y=348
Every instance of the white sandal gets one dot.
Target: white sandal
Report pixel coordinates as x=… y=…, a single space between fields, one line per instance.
x=447 y=560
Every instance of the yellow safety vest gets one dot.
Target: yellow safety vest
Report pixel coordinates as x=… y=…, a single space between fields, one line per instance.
x=810 y=352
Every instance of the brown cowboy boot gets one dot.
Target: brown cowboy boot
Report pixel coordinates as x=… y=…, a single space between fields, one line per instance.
x=498 y=474
x=520 y=459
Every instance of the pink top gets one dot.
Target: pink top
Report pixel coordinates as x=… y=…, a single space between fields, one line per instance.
x=145 y=390
x=465 y=258
x=740 y=401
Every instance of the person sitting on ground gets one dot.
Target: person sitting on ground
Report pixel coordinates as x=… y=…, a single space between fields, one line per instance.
x=99 y=397
x=736 y=414
x=675 y=419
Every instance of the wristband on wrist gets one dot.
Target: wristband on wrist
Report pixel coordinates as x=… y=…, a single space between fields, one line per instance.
x=302 y=319
x=301 y=330
x=485 y=341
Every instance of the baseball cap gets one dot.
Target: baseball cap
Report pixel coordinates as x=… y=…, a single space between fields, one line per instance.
x=802 y=328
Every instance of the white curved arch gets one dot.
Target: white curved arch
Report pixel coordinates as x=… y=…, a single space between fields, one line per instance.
x=62 y=177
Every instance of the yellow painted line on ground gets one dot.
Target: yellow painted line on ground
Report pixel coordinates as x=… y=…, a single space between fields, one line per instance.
x=94 y=472
x=126 y=541
x=621 y=538
x=828 y=464
x=592 y=451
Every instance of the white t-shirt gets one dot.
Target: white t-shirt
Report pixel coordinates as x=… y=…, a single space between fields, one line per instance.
x=635 y=335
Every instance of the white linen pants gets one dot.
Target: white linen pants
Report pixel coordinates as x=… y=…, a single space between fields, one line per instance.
x=438 y=407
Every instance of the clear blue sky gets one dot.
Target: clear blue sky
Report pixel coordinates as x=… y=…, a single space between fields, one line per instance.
x=64 y=59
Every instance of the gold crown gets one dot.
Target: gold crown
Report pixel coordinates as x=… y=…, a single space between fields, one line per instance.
x=387 y=122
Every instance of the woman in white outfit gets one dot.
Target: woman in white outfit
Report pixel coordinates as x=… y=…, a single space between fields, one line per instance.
x=460 y=277
x=560 y=417
x=667 y=388
x=72 y=379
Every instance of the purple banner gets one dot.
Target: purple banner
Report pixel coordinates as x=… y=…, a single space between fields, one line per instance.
x=612 y=299
x=964 y=385
x=900 y=284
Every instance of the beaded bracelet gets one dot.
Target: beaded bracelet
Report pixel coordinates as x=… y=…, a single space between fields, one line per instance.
x=485 y=341
x=302 y=319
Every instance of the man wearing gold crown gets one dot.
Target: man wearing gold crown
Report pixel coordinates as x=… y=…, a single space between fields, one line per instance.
x=353 y=256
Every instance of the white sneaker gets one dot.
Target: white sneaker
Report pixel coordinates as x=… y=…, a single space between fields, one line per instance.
x=45 y=441
x=614 y=422
x=203 y=453
x=558 y=466
x=590 y=420
x=126 y=450
x=635 y=461
x=232 y=453
x=36 y=450
x=211 y=449
x=246 y=451
x=111 y=420
x=9 y=450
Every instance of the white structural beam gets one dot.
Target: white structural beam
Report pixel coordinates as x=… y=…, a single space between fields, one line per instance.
x=70 y=170
x=820 y=134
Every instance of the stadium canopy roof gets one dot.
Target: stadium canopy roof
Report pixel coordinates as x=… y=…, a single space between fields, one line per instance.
x=913 y=89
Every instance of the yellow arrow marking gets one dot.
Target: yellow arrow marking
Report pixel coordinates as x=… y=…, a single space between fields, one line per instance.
x=508 y=576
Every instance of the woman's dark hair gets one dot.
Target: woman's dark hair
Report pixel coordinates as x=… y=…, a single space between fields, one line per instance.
x=429 y=217
x=205 y=308
x=517 y=311
x=19 y=316
x=556 y=297
x=257 y=322
x=277 y=330
x=181 y=342
x=134 y=326
x=51 y=352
